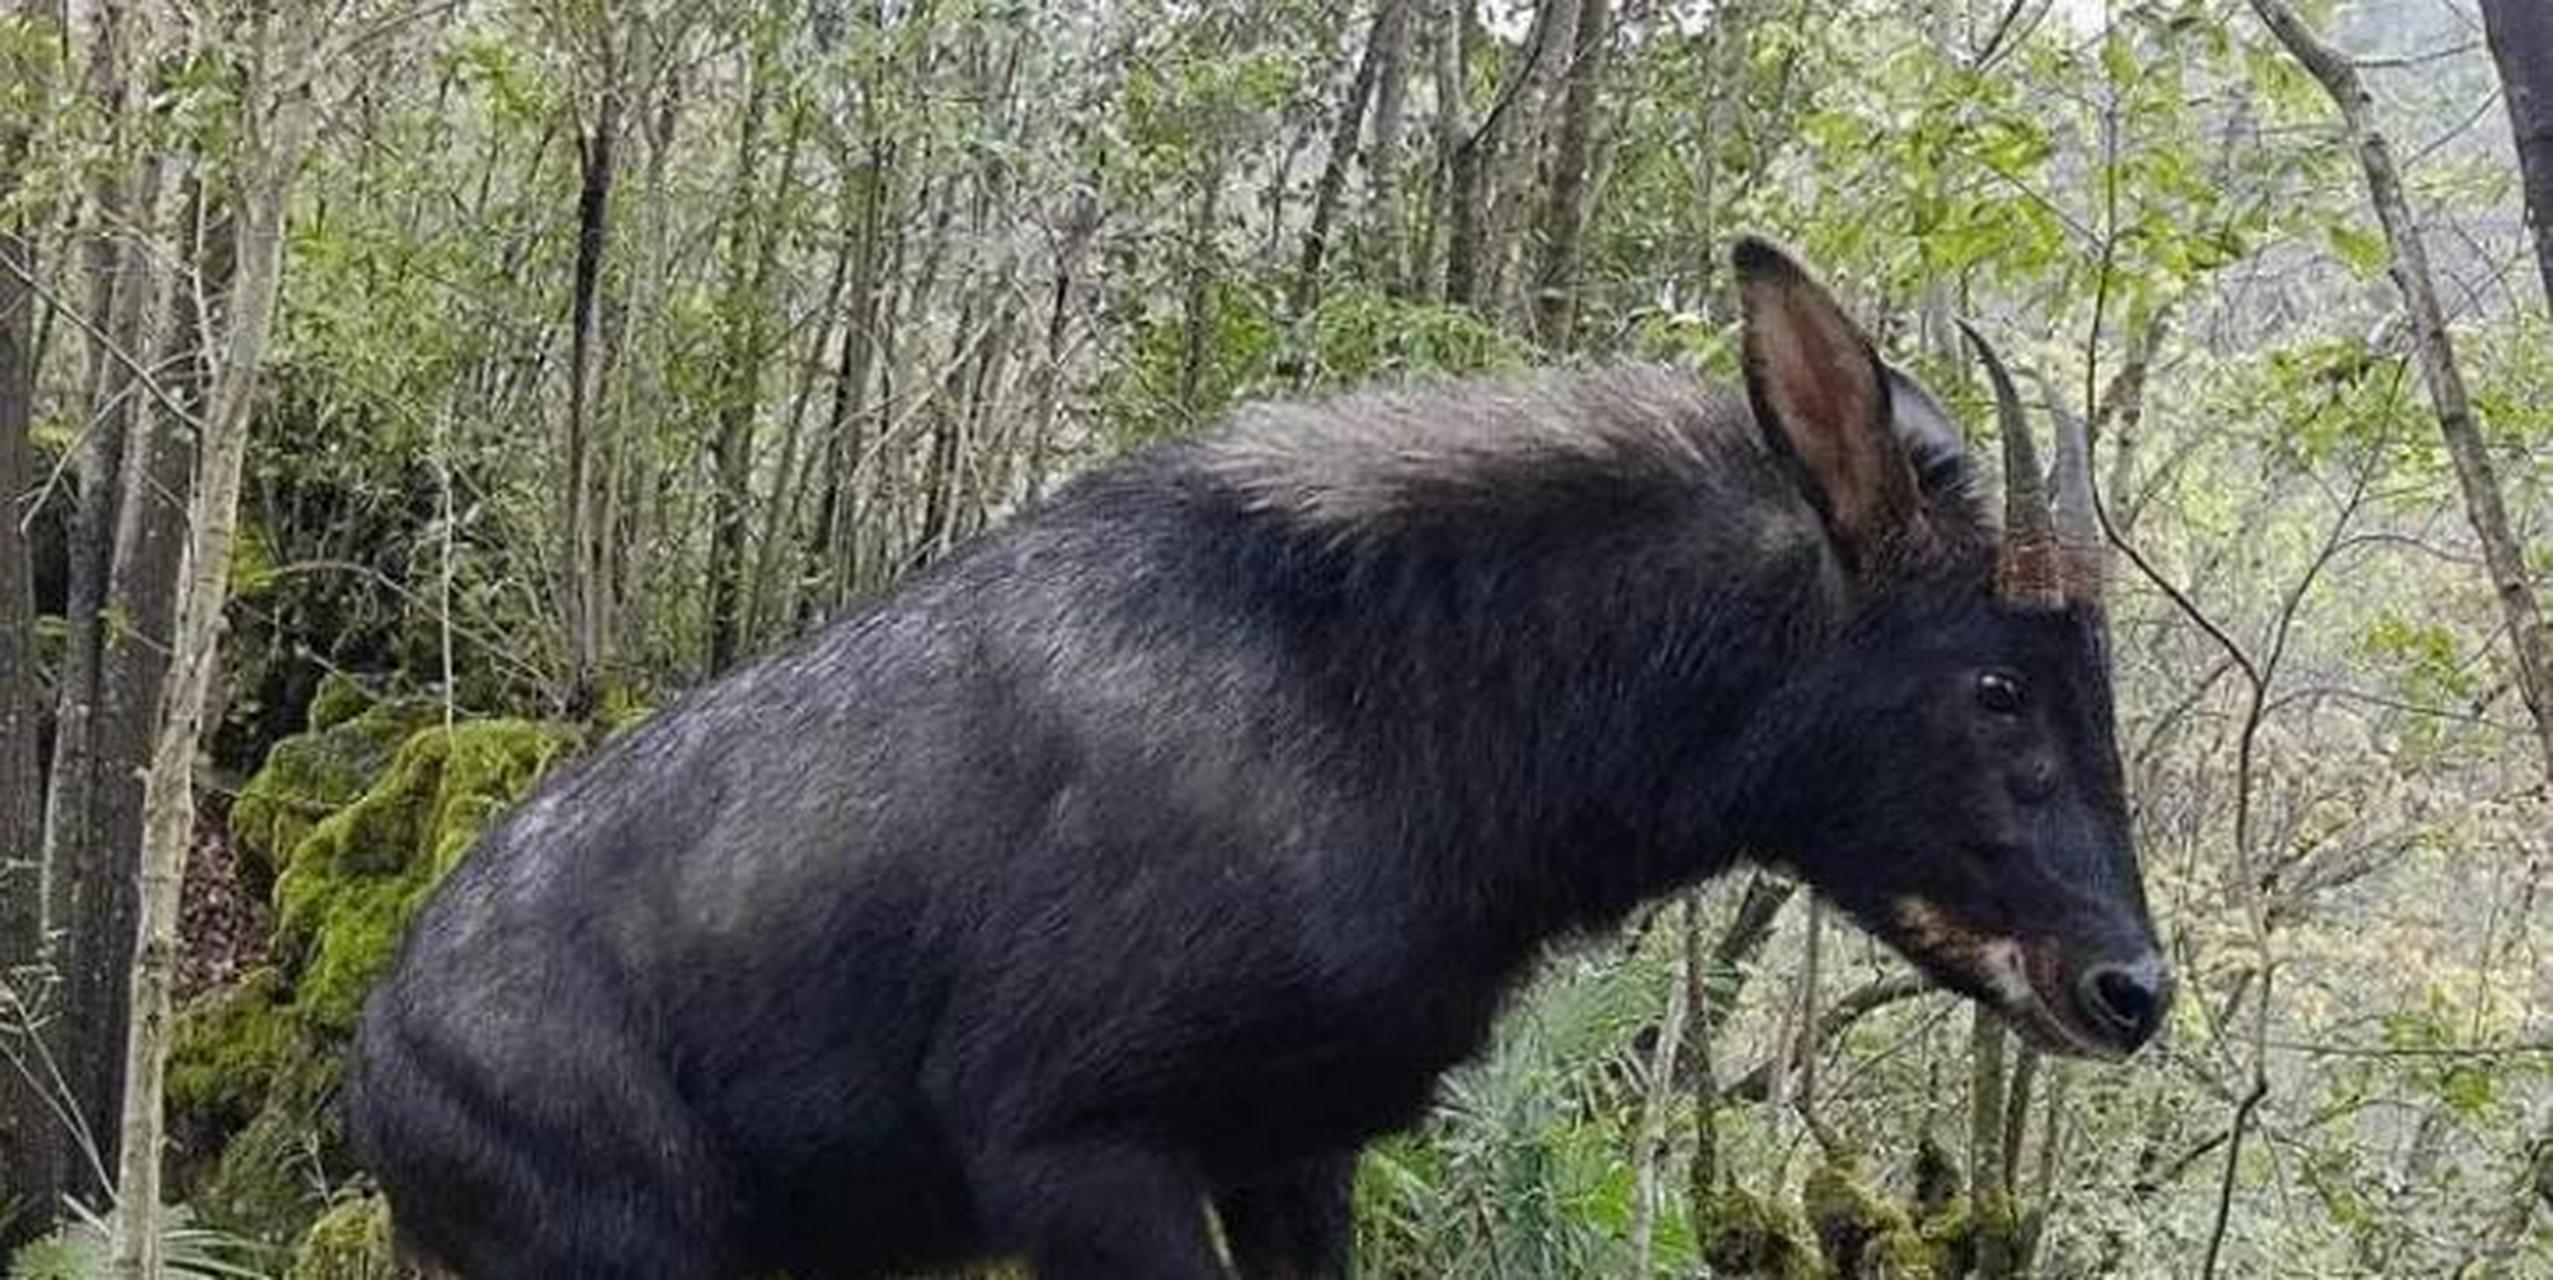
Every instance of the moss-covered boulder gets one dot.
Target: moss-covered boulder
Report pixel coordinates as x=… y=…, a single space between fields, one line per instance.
x=350 y=887
x=310 y=776
x=230 y=1046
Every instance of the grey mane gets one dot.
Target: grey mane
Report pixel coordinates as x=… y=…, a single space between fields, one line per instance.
x=1374 y=460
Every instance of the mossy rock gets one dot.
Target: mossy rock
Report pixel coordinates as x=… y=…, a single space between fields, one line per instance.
x=338 y=699
x=351 y=886
x=266 y=1184
x=351 y=1241
x=1864 y=1234
x=1750 y=1235
x=229 y=1047
x=310 y=776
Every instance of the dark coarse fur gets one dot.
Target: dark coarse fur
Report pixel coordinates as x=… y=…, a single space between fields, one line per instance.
x=1157 y=849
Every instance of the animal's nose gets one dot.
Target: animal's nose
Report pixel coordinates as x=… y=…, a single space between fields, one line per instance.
x=2126 y=1001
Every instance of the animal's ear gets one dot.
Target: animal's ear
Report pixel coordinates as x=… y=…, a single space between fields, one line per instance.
x=1822 y=398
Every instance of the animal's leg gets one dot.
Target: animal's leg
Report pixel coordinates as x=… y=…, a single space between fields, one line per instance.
x=1295 y=1224
x=1090 y=1211
x=558 y=1172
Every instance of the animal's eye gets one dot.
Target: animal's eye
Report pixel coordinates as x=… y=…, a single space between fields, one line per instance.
x=2000 y=692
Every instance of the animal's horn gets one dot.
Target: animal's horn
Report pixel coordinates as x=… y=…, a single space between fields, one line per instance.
x=2083 y=555
x=2027 y=571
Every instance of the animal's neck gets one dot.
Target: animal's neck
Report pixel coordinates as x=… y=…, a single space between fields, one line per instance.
x=1570 y=721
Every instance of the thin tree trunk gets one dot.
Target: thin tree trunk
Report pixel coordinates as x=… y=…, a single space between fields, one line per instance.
x=1512 y=199
x=33 y=1154
x=1657 y=1099
x=2501 y=553
x=1344 y=132
x=835 y=544
x=1475 y=184
x=2521 y=35
x=1046 y=392
x=86 y=876
x=1383 y=218
x=580 y=557
x=1199 y=302
x=1446 y=55
x=2121 y=416
x=621 y=534
x=739 y=390
x=141 y=604
x=267 y=166
x=1986 y=1040
x=1564 y=221
x=778 y=577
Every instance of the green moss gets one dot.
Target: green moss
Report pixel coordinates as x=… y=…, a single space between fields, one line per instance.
x=227 y=1050
x=1901 y=1253
x=622 y=708
x=1950 y=1233
x=265 y=1185
x=338 y=700
x=1749 y=1235
x=1999 y=1235
x=311 y=776
x=1861 y=1231
x=349 y=1242
x=351 y=886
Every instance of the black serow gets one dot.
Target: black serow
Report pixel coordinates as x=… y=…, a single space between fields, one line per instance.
x=1165 y=846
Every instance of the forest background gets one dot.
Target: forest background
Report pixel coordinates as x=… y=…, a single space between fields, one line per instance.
x=398 y=396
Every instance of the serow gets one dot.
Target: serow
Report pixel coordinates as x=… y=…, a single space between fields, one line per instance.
x=1145 y=857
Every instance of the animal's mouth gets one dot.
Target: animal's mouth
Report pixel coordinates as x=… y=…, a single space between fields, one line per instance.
x=2034 y=1001
x=2024 y=983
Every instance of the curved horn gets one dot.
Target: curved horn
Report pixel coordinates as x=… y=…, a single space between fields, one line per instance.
x=2078 y=522
x=2027 y=573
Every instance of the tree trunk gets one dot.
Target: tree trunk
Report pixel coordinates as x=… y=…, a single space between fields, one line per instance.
x=1473 y=191
x=34 y=1155
x=150 y=524
x=1446 y=62
x=838 y=514
x=733 y=447
x=1986 y=1042
x=1046 y=392
x=581 y=556
x=753 y=248
x=267 y=166
x=2521 y=35
x=1564 y=221
x=1344 y=132
x=638 y=392
x=100 y=733
x=1511 y=198
x=1383 y=218
x=1198 y=305
x=2501 y=554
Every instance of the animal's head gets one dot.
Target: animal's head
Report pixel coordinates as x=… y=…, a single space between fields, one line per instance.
x=1946 y=770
